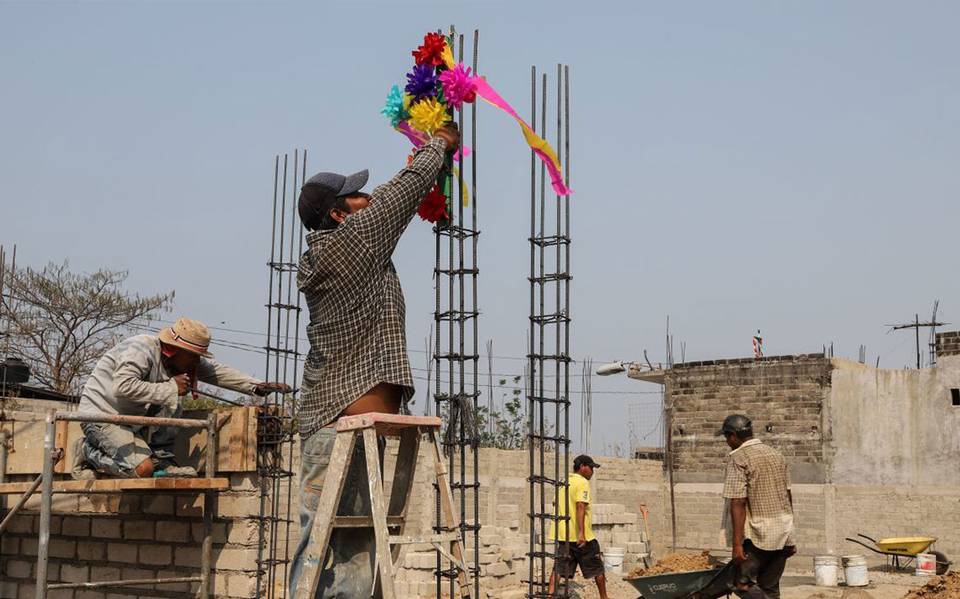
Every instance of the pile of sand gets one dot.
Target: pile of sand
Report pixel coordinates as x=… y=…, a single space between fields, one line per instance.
x=675 y=562
x=939 y=587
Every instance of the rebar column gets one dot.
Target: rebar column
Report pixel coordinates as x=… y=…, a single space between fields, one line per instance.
x=548 y=355
x=275 y=419
x=456 y=359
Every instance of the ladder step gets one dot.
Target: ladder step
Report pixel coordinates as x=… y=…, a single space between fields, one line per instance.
x=417 y=540
x=364 y=521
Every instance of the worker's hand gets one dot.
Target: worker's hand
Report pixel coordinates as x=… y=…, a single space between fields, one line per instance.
x=790 y=550
x=581 y=540
x=263 y=389
x=183 y=384
x=739 y=555
x=450 y=134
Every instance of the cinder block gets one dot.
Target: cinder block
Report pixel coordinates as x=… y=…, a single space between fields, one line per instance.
x=173 y=531
x=162 y=505
x=238 y=505
x=156 y=555
x=19 y=569
x=75 y=527
x=242 y=585
x=236 y=559
x=242 y=532
x=71 y=573
x=105 y=528
x=122 y=552
x=104 y=573
x=63 y=548
x=91 y=551
x=138 y=530
x=189 y=506
x=186 y=556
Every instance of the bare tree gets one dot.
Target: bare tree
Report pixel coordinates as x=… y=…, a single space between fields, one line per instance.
x=61 y=322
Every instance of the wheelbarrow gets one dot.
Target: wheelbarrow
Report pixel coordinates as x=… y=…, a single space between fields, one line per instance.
x=675 y=585
x=905 y=548
x=698 y=584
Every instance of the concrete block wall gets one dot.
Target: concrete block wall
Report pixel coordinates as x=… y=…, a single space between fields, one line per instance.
x=111 y=537
x=783 y=396
x=948 y=344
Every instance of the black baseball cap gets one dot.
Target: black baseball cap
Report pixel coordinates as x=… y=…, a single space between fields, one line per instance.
x=584 y=460
x=319 y=192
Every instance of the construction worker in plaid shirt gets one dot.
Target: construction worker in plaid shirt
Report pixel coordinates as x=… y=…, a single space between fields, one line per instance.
x=358 y=358
x=760 y=515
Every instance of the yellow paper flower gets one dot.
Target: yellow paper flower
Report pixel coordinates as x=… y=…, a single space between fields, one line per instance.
x=428 y=115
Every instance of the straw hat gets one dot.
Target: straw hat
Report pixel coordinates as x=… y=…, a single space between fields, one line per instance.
x=188 y=334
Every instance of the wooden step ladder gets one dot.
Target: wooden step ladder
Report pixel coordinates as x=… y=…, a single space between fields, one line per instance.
x=409 y=429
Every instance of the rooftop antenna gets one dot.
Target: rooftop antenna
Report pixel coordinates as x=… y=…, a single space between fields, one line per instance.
x=916 y=325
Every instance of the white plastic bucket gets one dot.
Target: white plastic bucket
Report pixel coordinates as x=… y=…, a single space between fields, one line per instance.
x=926 y=564
x=855 y=570
x=613 y=559
x=826 y=570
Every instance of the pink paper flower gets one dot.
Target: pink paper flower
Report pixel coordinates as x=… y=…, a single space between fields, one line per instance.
x=459 y=86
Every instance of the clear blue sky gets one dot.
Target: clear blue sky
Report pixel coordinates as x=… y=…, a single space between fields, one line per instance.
x=790 y=167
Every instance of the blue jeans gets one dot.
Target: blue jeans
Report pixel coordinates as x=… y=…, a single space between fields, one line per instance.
x=347 y=571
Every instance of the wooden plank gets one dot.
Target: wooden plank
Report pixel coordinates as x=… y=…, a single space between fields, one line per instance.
x=365 y=522
x=118 y=485
x=334 y=480
x=449 y=514
x=378 y=511
x=445 y=537
x=236 y=441
x=387 y=425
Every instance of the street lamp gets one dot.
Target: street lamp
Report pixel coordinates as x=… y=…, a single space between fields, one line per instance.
x=611 y=368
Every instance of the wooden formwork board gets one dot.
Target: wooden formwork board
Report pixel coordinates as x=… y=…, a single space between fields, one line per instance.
x=236 y=442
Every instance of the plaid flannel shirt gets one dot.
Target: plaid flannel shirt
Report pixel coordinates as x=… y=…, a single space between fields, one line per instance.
x=758 y=473
x=356 y=331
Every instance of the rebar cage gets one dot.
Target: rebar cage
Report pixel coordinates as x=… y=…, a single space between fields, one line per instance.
x=548 y=356
x=456 y=357
x=276 y=422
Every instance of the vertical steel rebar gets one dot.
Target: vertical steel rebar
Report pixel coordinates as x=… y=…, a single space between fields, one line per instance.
x=532 y=366
x=46 y=503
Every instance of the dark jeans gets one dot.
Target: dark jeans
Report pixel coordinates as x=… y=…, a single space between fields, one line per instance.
x=760 y=572
x=347 y=572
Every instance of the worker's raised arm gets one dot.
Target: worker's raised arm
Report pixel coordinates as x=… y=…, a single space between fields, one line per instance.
x=130 y=384
x=393 y=204
x=220 y=375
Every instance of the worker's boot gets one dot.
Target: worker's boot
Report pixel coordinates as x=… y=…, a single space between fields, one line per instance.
x=80 y=470
x=165 y=465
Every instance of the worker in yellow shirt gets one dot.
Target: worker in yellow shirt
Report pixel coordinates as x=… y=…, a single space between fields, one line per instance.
x=577 y=546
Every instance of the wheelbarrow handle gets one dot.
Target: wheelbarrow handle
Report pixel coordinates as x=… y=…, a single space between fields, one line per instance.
x=862 y=544
x=871 y=539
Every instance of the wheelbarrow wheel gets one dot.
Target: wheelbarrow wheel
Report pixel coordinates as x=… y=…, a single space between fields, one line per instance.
x=943 y=564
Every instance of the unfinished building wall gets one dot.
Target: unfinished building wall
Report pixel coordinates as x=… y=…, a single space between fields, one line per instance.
x=948 y=344
x=783 y=395
x=135 y=536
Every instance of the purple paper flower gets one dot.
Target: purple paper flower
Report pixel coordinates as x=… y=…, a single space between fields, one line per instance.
x=422 y=82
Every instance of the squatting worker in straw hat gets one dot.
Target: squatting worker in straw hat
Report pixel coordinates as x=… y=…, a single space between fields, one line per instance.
x=578 y=546
x=148 y=375
x=358 y=356
x=759 y=521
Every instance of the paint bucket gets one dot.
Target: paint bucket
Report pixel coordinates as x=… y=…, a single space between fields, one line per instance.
x=613 y=559
x=855 y=570
x=926 y=564
x=826 y=569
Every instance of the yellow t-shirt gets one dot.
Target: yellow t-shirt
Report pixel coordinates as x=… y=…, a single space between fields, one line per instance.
x=579 y=493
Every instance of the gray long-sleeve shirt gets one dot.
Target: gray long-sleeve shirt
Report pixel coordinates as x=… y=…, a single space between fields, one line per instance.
x=131 y=377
